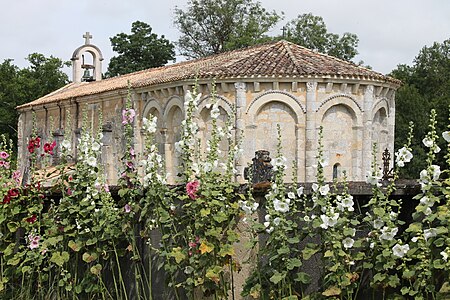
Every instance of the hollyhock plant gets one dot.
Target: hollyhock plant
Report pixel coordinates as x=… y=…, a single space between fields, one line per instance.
x=3 y=155
x=48 y=148
x=192 y=188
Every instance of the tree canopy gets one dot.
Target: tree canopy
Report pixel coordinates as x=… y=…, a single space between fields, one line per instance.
x=18 y=86
x=214 y=26
x=311 y=32
x=139 y=50
x=426 y=86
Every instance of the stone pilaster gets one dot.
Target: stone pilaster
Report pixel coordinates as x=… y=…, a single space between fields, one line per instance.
x=367 y=132
x=241 y=103
x=391 y=126
x=311 y=131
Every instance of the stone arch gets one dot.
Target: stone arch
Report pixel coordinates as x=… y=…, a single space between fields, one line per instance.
x=174 y=101
x=173 y=116
x=380 y=131
x=345 y=100
x=206 y=125
x=279 y=96
x=77 y=62
x=152 y=105
x=221 y=101
x=341 y=138
x=382 y=103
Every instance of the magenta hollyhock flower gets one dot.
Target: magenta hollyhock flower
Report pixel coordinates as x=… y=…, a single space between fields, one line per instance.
x=4 y=155
x=32 y=219
x=48 y=148
x=192 y=188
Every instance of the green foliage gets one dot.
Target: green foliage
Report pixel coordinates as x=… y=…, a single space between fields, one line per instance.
x=311 y=32
x=214 y=26
x=139 y=50
x=426 y=86
x=19 y=86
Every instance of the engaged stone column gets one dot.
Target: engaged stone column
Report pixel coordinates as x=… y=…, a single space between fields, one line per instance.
x=367 y=132
x=241 y=102
x=311 y=134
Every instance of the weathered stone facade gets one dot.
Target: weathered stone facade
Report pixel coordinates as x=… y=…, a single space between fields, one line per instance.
x=278 y=83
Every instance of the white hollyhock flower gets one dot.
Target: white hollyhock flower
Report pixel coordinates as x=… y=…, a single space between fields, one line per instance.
x=280 y=206
x=378 y=223
x=429 y=233
x=91 y=161
x=315 y=187
x=96 y=146
x=300 y=191
x=66 y=145
x=444 y=254
x=400 y=250
x=323 y=190
x=329 y=221
x=446 y=136
x=428 y=142
x=388 y=234
x=348 y=242
x=373 y=179
x=437 y=149
x=291 y=195
x=403 y=156
x=276 y=221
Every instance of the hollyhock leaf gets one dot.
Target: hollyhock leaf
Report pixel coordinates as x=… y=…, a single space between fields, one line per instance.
x=277 y=277
x=89 y=257
x=293 y=263
x=226 y=250
x=96 y=269
x=303 y=277
x=332 y=291
x=60 y=258
x=206 y=247
x=308 y=253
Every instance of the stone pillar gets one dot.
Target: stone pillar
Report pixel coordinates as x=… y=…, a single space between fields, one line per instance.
x=367 y=132
x=391 y=126
x=241 y=103
x=300 y=155
x=311 y=132
x=107 y=160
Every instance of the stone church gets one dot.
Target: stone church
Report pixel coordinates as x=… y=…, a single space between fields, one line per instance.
x=264 y=85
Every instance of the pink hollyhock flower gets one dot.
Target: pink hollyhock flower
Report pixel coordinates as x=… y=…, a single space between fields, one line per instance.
x=4 y=155
x=128 y=116
x=192 y=188
x=34 y=241
x=132 y=152
x=6 y=165
x=16 y=176
x=127 y=208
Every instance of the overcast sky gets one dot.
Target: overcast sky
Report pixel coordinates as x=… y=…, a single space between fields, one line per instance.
x=390 y=31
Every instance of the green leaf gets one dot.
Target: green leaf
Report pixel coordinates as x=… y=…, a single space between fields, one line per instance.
x=303 y=277
x=96 y=269
x=177 y=254
x=293 y=263
x=293 y=240
x=283 y=250
x=91 y=241
x=60 y=258
x=227 y=249
x=75 y=246
x=328 y=253
x=291 y=297
x=308 y=252
x=12 y=226
x=332 y=291
x=205 y=212
x=414 y=227
x=277 y=277
x=89 y=257
x=26 y=269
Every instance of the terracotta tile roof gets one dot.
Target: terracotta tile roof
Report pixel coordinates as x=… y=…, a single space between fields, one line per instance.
x=280 y=58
